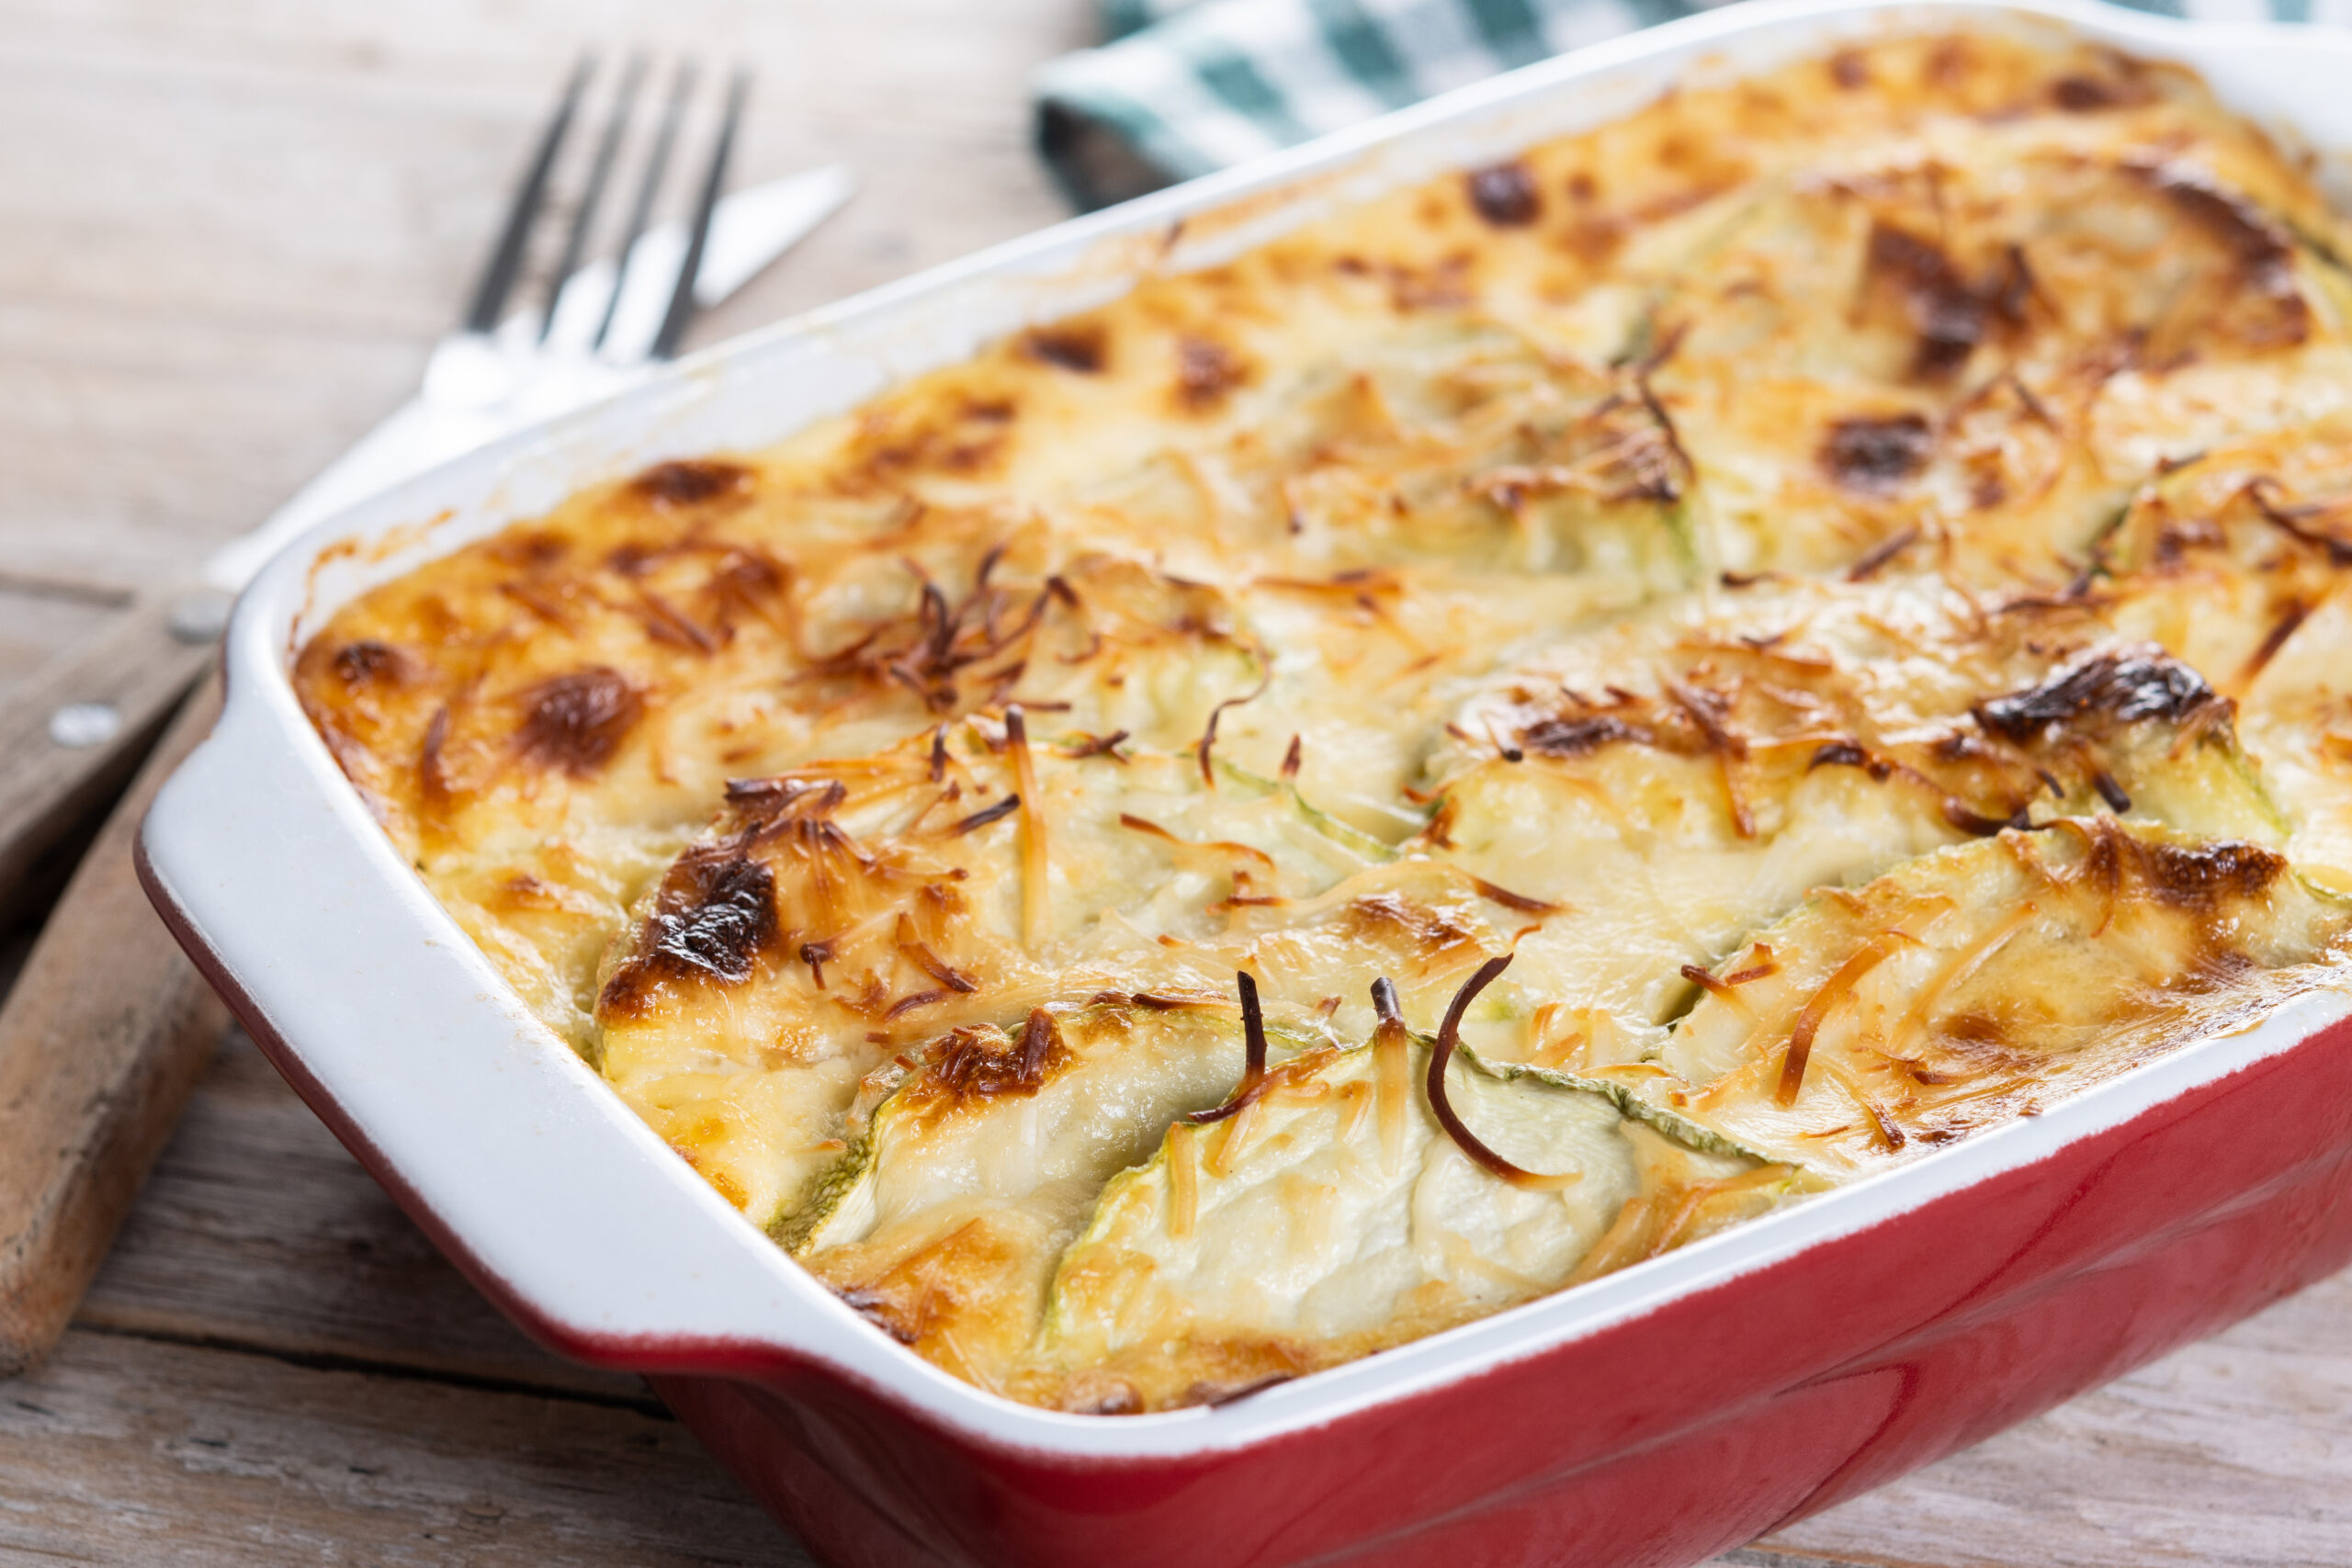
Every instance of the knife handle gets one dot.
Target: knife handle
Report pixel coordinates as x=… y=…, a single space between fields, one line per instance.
x=73 y=733
x=101 y=1040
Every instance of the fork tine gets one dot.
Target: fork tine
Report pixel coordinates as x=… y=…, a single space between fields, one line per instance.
x=506 y=261
x=649 y=186
x=624 y=104
x=682 y=295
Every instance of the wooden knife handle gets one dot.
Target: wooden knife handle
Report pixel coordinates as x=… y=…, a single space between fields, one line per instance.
x=101 y=1040
x=121 y=685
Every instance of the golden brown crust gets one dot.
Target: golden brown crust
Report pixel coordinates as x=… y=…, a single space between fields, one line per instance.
x=1930 y=449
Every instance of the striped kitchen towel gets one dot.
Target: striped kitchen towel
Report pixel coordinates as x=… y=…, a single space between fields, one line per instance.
x=1183 y=87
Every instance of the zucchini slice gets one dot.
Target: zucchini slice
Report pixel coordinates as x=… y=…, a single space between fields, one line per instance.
x=1986 y=982
x=1898 y=347
x=2238 y=562
x=1333 y=1215
x=1724 y=774
x=944 y=1220
x=849 y=911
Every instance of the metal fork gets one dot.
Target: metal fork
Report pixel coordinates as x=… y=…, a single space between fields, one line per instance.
x=597 y=326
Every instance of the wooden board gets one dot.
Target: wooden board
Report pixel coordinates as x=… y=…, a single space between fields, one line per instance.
x=102 y=1036
x=126 y=1449
x=233 y=230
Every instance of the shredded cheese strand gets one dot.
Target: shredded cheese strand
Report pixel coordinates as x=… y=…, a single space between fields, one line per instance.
x=1036 y=920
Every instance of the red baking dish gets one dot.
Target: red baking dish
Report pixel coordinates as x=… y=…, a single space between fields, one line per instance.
x=1654 y=1417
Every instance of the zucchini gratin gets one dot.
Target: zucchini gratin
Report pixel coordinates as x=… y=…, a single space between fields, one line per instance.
x=1494 y=736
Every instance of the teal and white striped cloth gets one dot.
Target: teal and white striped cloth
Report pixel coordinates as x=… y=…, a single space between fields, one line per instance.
x=1183 y=87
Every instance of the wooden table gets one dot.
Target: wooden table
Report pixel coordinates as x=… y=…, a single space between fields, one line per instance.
x=231 y=231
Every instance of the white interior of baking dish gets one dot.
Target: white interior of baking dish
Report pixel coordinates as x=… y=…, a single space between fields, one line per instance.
x=577 y=1216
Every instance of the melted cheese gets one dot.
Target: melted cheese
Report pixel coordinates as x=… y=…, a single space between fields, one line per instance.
x=1838 y=575
x=1980 y=983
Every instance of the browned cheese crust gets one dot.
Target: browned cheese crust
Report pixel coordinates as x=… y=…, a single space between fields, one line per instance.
x=1838 y=574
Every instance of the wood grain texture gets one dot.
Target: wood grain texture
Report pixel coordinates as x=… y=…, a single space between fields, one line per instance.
x=236 y=229
x=233 y=231
x=122 y=1450
x=37 y=618
x=101 y=1039
x=2236 y=1453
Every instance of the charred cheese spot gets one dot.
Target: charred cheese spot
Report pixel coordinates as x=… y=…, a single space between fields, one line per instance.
x=1580 y=735
x=574 y=723
x=972 y=1067
x=2089 y=95
x=530 y=549
x=2197 y=876
x=1084 y=349
x=1207 y=371
x=1949 y=314
x=1505 y=194
x=2106 y=690
x=371 y=663
x=678 y=485
x=715 y=916
x=1878 y=456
